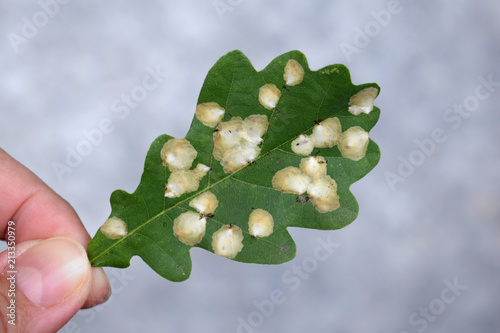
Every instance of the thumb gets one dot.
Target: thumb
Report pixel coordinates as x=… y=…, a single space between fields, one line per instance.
x=52 y=280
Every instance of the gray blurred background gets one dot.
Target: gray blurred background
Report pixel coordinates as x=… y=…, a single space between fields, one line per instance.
x=423 y=254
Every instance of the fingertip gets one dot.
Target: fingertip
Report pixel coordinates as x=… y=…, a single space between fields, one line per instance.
x=100 y=290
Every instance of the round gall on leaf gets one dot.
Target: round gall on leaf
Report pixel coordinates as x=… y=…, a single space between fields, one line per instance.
x=303 y=145
x=269 y=95
x=178 y=154
x=114 y=228
x=260 y=223
x=254 y=127
x=362 y=102
x=228 y=133
x=227 y=241
x=294 y=73
x=323 y=194
x=189 y=228
x=205 y=203
x=290 y=180
x=210 y=114
x=185 y=181
x=236 y=158
x=353 y=143
x=314 y=166
x=236 y=141
x=327 y=133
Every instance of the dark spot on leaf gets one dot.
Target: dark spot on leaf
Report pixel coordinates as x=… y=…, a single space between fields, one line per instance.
x=303 y=199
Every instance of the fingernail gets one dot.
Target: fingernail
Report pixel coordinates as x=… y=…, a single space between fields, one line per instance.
x=52 y=270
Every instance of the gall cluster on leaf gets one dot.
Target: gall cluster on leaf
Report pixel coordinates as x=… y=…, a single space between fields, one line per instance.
x=236 y=142
x=311 y=178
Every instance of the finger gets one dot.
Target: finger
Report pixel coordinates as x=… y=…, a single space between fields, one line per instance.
x=51 y=282
x=38 y=211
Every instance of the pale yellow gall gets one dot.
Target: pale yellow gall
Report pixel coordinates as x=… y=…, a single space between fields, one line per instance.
x=185 y=181
x=290 y=180
x=178 y=154
x=303 y=145
x=294 y=73
x=312 y=178
x=269 y=95
x=327 y=133
x=323 y=194
x=114 y=228
x=189 y=228
x=236 y=141
x=314 y=167
x=254 y=127
x=205 y=203
x=210 y=114
x=362 y=102
x=260 y=223
x=227 y=241
x=353 y=143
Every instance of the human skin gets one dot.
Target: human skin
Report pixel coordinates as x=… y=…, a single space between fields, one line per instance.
x=53 y=276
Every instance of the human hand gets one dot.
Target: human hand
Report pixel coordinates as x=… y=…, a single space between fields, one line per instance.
x=54 y=278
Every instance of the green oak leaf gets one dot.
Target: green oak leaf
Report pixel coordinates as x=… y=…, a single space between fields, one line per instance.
x=235 y=85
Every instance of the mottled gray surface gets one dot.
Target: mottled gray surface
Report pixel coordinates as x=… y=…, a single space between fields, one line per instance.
x=440 y=224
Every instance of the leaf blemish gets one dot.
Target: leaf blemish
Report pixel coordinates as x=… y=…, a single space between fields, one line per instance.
x=210 y=114
x=205 y=203
x=269 y=96
x=294 y=73
x=311 y=178
x=362 y=102
x=178 y=154
x=237 y=142
x=260 y=223
x=326 y=134
x=303 y=145
x=114 y=228
x=227 y=241
x=353 y=143
x=185 y=181
x=189 y=228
